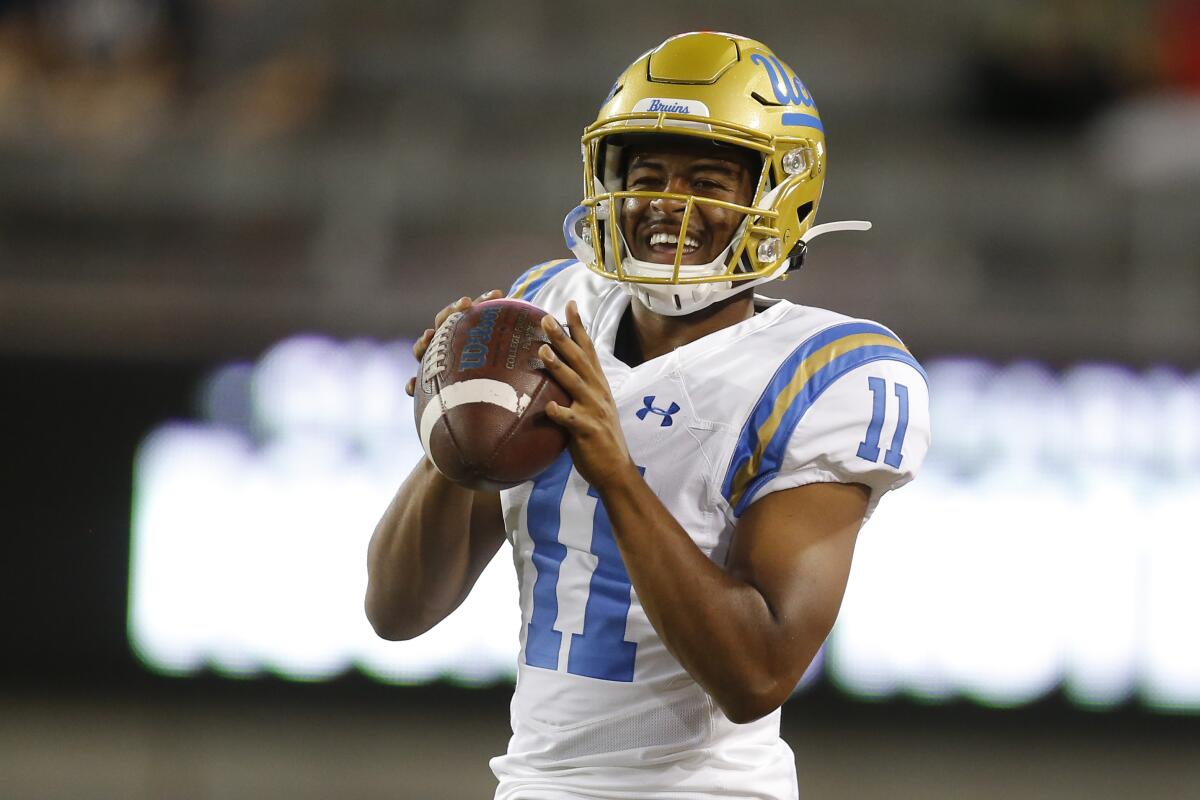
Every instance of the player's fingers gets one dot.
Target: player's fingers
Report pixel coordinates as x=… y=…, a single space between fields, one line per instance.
x=461 y=304
x=565 y=416
x=579 y=333
x=411 y=387
x=567 y=377
x=422 y=343
x=491 y=295
x=567 y=349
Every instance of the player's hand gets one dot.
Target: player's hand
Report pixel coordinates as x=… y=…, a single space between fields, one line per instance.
x=422 y=343
x=597 y=443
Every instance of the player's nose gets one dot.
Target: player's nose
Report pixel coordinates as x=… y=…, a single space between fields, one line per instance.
x=677 y=185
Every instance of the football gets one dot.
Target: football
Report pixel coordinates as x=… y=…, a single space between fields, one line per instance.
x=481 y=397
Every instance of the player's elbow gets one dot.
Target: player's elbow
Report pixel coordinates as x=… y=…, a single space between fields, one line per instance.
x=388 y=622
x=386 y=627
x=391 y=631
x=764 y=683
x=749 y=706
x=394 y=630
x=762 y=686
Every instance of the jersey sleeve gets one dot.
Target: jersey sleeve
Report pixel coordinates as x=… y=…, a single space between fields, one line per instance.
x=537 y=279
x=853 y=409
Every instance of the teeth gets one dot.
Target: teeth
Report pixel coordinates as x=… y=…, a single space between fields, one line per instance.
x=689 y=242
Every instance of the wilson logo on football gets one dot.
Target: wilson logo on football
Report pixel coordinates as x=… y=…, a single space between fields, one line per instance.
x=474 y=354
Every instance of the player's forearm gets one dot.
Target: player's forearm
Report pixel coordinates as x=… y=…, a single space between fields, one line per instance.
x=721 y=629
x=419 y=558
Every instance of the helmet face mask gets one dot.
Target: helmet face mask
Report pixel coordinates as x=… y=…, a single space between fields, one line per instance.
x=715 y=90
x=680 y=202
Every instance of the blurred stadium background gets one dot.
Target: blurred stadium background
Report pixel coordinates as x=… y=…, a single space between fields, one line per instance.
x=222 y=220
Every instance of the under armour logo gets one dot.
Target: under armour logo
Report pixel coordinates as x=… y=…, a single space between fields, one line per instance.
x=665 y=413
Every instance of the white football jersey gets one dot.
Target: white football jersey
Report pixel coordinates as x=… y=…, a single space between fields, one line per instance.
x=791 y=396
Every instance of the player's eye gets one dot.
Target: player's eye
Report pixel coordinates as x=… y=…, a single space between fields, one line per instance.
x=710 y=185
x=644 y=181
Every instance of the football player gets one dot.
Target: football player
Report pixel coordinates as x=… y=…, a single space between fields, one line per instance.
x=682 y=562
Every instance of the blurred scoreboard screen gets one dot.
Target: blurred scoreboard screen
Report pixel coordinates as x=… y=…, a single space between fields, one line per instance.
x=1050 y=541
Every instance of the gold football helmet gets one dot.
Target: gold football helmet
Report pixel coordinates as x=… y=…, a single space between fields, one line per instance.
x=732 y=91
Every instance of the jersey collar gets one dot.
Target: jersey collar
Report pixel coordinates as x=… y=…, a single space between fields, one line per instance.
x=612 y=307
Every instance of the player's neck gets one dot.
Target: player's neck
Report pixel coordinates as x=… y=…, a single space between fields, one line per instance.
x=658 y=334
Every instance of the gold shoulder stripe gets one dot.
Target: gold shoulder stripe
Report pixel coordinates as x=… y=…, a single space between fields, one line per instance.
x=800 y=378
x=533 y=275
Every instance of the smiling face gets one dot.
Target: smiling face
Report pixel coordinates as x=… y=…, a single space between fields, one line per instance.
x=681 y=165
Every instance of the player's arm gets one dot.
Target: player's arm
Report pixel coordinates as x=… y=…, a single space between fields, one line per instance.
x=745 y=632
x=433 y=541
x=427 y=552
x=748 y=631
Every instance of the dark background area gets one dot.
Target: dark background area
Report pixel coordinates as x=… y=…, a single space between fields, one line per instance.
x=72 y=429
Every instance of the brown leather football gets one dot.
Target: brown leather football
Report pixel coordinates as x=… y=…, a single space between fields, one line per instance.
x=481 y=397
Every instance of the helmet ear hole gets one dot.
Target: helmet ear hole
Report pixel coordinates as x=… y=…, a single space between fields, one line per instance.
x=803 y=211
x=800 y=249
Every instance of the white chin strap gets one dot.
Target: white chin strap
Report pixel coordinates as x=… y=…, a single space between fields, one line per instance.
x=830 y=227
x=675 y=299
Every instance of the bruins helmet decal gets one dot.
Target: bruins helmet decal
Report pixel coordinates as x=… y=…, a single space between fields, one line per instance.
x=731 y=91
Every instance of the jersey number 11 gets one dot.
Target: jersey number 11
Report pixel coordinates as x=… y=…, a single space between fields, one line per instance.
x=869 y=447
x=601 y=650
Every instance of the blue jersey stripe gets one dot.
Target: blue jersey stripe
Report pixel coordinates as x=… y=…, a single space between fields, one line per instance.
x=785 y=376
x=777 y=447
x=534 y=278
x=779 y=381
